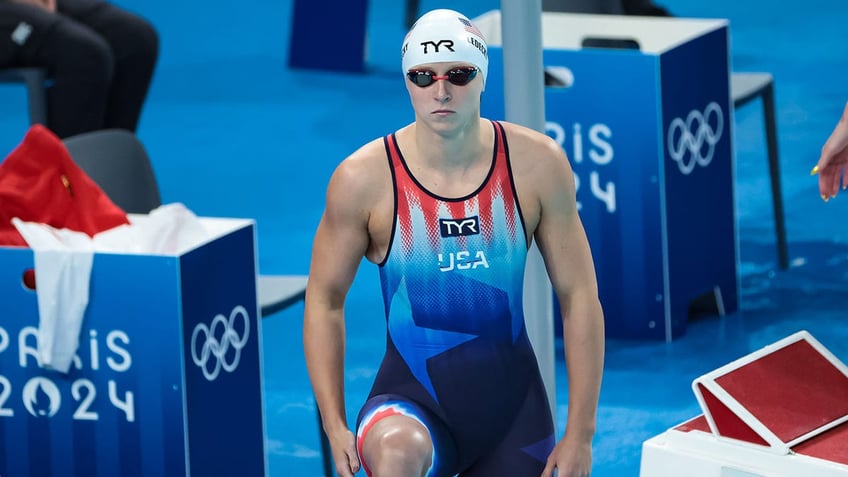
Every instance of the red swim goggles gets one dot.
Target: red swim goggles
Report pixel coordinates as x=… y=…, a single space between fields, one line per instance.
x=460 y=76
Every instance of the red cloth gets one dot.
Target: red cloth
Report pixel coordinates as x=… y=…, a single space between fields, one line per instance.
x=39 y=182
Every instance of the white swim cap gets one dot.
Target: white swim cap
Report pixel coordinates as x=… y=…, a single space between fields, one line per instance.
x=444 y=35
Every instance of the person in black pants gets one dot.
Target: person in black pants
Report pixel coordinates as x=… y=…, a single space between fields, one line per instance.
x=99 y=59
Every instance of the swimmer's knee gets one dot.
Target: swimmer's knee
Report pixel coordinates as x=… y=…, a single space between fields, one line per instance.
x=398 y=445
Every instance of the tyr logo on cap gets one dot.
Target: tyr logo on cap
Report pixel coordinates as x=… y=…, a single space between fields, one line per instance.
x=436 y=45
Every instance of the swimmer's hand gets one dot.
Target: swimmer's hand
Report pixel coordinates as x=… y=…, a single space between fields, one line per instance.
x=570 y=458
x=345 y=458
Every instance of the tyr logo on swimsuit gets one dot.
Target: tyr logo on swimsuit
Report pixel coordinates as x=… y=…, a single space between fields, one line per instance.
x=459 y=227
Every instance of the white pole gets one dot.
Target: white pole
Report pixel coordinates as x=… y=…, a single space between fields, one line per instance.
x=524 y=103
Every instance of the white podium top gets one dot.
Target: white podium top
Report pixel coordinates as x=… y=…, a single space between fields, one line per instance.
x=567 y=31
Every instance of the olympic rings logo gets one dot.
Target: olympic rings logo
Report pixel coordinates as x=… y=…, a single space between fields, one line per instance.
x=217 y=339
x=691 y=136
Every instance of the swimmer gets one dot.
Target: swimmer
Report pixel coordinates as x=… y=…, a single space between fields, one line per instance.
x=447 y=207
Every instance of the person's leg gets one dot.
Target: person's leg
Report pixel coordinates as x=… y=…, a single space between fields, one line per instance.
x=135 y=48
x=78 y=63
x=396 y=438
x=525 y=448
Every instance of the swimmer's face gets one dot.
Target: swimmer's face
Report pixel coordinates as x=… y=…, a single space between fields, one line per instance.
x=445 y=93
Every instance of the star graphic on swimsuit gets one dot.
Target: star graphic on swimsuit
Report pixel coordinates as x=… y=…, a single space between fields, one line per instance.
x=540 y=450
x=416 y=344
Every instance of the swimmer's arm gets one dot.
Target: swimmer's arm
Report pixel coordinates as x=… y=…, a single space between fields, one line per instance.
x=568 y=260
x=339 y=245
